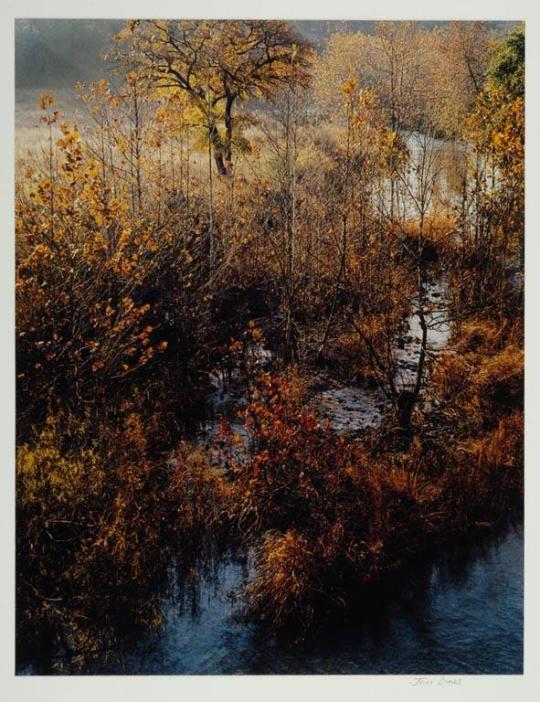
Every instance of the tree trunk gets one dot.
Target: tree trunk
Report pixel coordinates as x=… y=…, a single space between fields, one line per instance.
x=218 y=150
x=220 y=162
x=407 y=399
x=222 y=151
x=228 y=129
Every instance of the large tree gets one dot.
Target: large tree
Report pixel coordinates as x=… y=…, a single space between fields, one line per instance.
x=218 y=64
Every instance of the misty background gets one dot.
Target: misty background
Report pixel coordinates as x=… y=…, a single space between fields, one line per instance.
x=56 y=53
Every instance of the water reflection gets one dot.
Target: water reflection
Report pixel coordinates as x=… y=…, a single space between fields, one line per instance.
x=461 y=612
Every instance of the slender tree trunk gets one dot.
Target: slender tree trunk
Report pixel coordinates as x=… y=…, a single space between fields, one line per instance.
x=160 y=183
x=51 y=178
x=291 y=154
x=210 y=211
x=228 y=129
x=137 y=147
x=330 y=320
x=187 y=173
x=220 y=163
x=407 y=399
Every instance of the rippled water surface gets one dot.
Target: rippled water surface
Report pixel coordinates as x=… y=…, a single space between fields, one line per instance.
x=460 y=614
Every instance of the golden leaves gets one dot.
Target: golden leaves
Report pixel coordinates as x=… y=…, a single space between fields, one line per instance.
x=349 y=87
x=46 y=101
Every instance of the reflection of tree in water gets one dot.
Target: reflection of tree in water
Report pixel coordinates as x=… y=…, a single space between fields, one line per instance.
x=453 y=566
x=397 y=613
x=198 y=601
x=191 y=588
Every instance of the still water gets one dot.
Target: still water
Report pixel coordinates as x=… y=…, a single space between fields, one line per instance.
x=461 y=613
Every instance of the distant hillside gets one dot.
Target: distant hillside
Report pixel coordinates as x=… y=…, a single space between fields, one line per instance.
x=317 y=30
x=56 y=53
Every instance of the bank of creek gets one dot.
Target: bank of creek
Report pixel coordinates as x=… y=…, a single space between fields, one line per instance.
x=456 y=610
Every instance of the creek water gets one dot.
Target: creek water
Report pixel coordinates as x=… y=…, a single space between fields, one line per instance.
x=351 y=409
x=459 y=613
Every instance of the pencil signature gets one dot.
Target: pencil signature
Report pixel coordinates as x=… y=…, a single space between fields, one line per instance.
x=434 y=681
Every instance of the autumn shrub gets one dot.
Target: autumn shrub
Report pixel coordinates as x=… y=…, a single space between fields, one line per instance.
x=435 y=240
x=348 y=359
x=478 y=334
x=98 y=520
x=486 y=477
x=320 y=504
x=328 y=517
x=197 y=496
x=292 y=455
x=290 y=581
x=102 y=292
x=484 y=380
x=480 y=394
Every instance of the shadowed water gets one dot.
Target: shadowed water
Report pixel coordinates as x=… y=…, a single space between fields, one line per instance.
x=461 y=613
